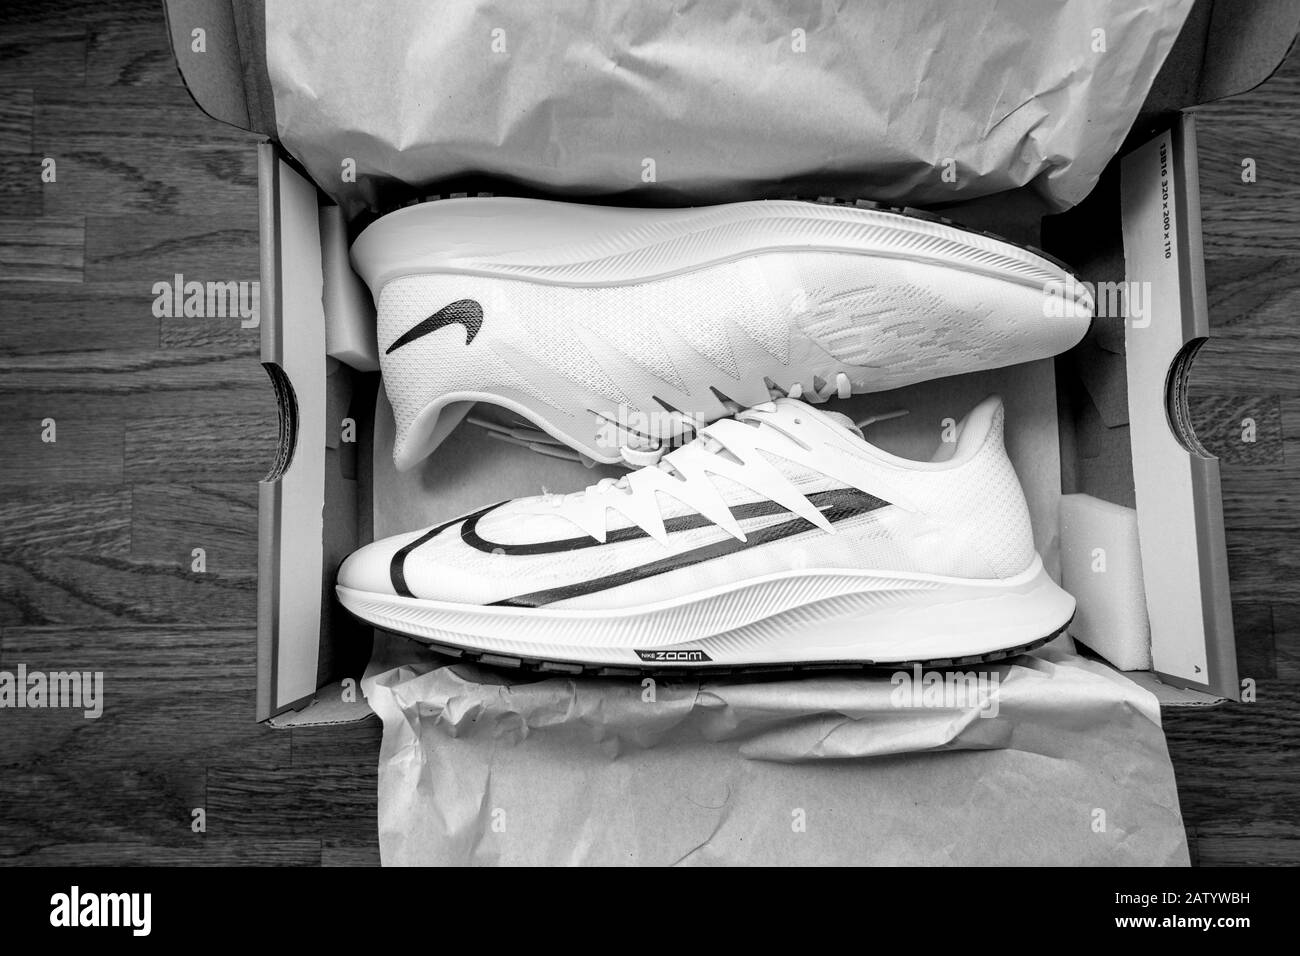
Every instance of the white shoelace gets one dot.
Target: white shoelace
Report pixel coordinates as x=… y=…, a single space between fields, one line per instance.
x=760 y=416
x=705 y=442
x=649 y=453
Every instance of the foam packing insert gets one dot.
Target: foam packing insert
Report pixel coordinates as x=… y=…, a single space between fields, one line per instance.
x=1101 y=565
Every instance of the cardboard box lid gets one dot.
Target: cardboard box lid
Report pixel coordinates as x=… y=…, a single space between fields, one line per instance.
x=1225 y=48
x=220 y=50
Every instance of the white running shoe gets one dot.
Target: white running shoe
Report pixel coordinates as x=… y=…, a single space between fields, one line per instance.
x=621 y=331
x=779 y=537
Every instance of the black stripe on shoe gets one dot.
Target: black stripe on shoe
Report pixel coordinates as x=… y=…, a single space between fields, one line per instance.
x=397 y=566
x=759 y=509
x=835 y=505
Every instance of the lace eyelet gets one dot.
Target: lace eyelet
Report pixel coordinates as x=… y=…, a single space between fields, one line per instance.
x=641 y=458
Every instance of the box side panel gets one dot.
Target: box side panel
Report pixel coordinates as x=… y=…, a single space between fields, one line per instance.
x=1212 y=547
x=350 y=401
x=291 y=499
x=1183 y=559
x=268 y=497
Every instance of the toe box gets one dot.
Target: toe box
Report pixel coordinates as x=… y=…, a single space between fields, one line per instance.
x=370 y=568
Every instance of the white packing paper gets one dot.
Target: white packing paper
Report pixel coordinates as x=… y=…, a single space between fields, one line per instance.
x=1051 y=760
x=913 y=101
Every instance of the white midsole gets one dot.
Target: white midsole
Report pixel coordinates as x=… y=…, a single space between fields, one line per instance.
x=573 y=244
x=797 y=616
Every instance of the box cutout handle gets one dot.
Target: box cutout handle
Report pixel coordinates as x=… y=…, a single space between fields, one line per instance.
x=1177 y=409
x=286 y=403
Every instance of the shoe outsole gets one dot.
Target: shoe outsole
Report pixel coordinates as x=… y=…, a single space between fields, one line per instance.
x=542 y=665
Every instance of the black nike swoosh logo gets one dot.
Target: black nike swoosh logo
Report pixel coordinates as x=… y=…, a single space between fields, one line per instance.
x=464 y=312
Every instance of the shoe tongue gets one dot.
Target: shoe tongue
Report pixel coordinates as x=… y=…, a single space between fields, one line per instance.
x=792 y=406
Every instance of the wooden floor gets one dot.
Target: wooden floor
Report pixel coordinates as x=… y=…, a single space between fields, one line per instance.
x=164 y=426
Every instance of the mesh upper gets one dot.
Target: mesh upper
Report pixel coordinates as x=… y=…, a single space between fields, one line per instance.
x=563 y=351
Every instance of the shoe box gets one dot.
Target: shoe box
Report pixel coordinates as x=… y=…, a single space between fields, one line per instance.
x=1125 y=502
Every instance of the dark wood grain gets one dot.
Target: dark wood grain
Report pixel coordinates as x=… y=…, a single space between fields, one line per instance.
x=137 y=383
x=349 y=744
x=47 y=317
x=1238 y=780
x=1253 y=304
x=302 y=802
x=206 y=851
x=89 y=520
x=164 y=426
x=176 y=447
x=126 y=48
x=150 y=249
x=349 y=854
x=1249 y=846
x=43 y=249
x=1239 y=429
x=20 y=185
x=84 y=448
x=1251 y=219
x=188 y=691
x=1256 y=640
x=230 y=336
x=69 y=588
x=43 y=55
x=1262 y=520
x=20 y=168
x=1289 y=412
x=131 y=151
x=96 y=802
x=118 y=117
x=169 y=520
x=1236 y=763
x=180 y=697
x=17 y=109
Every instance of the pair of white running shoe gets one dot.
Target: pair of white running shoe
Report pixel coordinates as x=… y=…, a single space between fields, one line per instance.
x=756 y=529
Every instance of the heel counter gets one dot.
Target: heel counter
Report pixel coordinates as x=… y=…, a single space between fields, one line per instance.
x=1006 y=536
x=418 y=368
